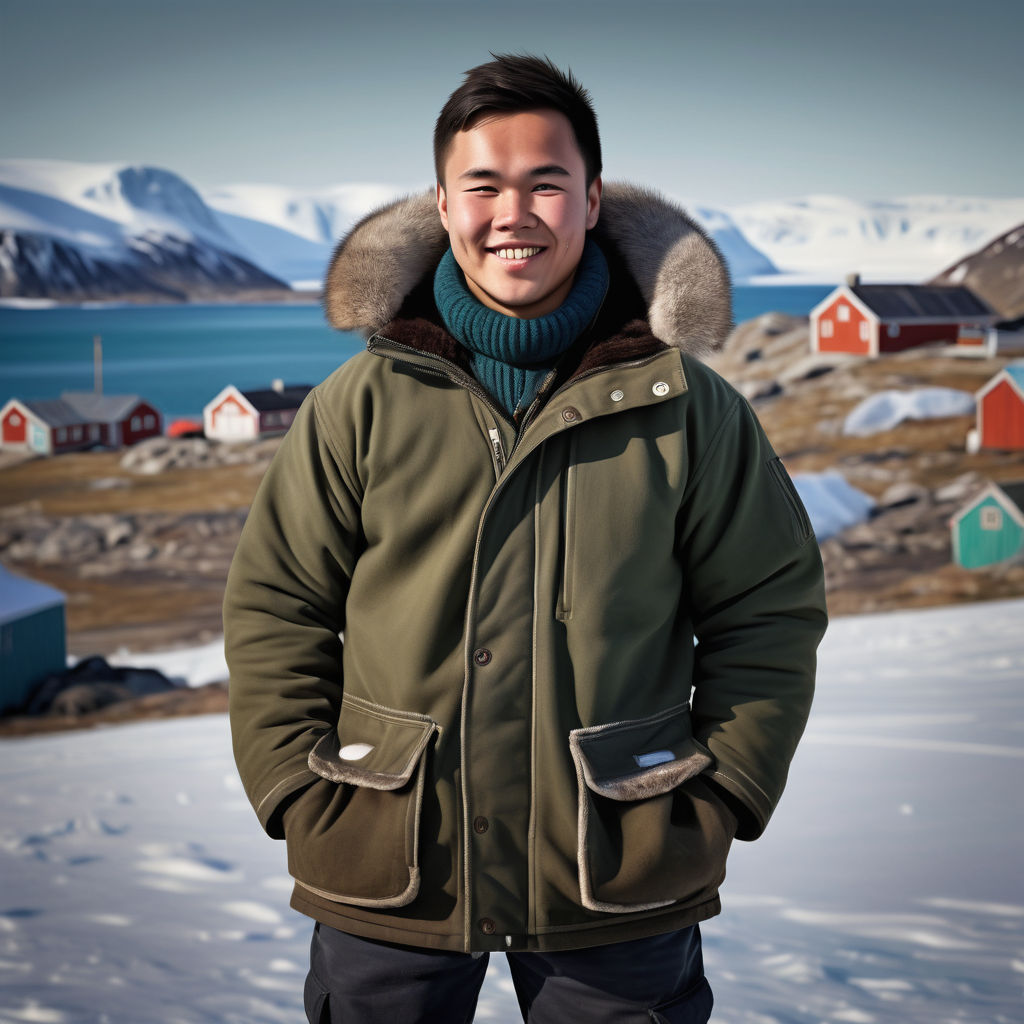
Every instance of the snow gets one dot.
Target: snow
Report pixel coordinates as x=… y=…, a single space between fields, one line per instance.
x=824 y=238
x=831 y=502
x=102 y=206
x=137 y=885
x=886 y=409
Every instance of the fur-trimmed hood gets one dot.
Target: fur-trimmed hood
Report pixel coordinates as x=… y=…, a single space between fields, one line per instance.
x=676 y=267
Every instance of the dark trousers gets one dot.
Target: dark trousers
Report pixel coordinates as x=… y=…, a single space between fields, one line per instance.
x=362 y=981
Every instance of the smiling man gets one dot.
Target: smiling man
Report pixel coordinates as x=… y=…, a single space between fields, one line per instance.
x=461 y=618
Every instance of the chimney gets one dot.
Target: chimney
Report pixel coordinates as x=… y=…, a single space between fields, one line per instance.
x=852 y=280
x=277 y=384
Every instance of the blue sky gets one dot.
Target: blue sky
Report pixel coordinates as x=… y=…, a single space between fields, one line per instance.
x=716 y=101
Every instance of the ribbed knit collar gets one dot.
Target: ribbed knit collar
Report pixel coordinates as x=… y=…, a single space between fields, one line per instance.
x=511 y=356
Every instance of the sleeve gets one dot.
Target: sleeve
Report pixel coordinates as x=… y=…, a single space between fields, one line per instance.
x=284 y=612
x=756 y=597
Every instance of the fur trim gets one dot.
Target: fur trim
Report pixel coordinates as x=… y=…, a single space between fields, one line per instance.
x=677 y=268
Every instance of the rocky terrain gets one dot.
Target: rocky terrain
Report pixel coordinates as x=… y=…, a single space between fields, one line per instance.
x=140 y=541
x=918 y=473
x=995 y=273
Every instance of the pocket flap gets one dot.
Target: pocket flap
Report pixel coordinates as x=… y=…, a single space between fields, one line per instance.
x=373 y=746
x=640 y=758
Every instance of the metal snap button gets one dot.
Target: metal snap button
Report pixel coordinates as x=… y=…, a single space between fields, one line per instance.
x=570 y=415
x=486 y=926
x=616 y=395
x=660 y=388
x=482 y=656
x=480 y=825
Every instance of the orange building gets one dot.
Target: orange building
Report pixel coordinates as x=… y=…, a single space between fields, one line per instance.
x=871 y=319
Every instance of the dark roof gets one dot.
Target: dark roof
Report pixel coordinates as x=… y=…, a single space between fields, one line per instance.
x=270 y=399
x=1015 y=492
x=55 y=412
x=101 y=408
x=921 y=301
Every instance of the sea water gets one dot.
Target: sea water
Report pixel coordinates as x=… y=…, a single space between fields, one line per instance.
x=180 y=357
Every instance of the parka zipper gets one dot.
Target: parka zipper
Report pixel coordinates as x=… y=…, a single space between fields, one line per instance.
x=457 y=375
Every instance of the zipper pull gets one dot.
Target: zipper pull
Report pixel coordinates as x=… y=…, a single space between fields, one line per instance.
x=497 y=450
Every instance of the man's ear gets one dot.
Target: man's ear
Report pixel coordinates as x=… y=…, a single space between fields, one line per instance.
x=593 y=203
x=442 y=205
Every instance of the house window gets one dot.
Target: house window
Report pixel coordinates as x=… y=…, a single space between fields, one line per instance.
x=991 y=518
x=14 y=420
x=76 y=433
x=893 y=330
x=136 y=422
x=843 y=314
x=62 y=435
x=826 y=328
x=94 y=432
x=148 y=421
x=865 y=330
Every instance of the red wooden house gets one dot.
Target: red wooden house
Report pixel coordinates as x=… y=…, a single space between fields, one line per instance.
x=77 y=420
x=1000 y=411
x=871 y=319
x=235 y=415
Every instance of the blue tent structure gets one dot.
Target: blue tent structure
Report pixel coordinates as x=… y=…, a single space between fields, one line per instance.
x=32 y=636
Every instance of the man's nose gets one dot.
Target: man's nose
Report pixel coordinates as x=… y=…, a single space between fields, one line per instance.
x=515 y=210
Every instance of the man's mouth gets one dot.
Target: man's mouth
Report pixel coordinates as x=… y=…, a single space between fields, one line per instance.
x=520 y=253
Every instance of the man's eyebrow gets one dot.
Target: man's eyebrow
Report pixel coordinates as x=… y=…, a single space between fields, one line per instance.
x=546 y=171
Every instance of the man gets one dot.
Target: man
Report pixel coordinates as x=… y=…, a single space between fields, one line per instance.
x=520 y=507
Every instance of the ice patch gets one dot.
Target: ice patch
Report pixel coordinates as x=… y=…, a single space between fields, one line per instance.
x=886 y=409
x=932 y=933
x=113 y=920
x=975 y=906
x=831 y=502
x=250 y=911
x=189 y=870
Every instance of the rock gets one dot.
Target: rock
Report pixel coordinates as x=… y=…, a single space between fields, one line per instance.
x=904 y=493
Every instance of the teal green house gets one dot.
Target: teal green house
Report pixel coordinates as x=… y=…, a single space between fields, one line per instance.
x=32 y=636
x=990 y=528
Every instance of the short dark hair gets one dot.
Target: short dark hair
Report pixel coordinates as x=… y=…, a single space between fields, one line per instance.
x=510 y=84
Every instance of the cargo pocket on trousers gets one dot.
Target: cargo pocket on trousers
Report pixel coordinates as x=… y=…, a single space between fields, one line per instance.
x=650 y=832
x=353 y=836
x=693 y=1007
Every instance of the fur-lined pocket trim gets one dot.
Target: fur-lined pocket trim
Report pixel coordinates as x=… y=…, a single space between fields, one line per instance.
x=651 y=833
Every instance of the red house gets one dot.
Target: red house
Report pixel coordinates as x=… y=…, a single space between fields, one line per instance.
x=1000 y=411
x=77 y=420
x=870 y=319
x=236 y=415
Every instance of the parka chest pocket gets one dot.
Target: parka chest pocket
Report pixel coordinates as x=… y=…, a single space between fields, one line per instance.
x=650 y=832
x=354 y=837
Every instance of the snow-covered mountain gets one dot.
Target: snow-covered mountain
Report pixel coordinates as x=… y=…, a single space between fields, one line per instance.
x=107 y=230
x=913 y=238
x=74 y=229
x=292 y=232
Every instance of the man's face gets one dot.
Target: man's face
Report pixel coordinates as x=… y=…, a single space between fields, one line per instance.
x=516 y=206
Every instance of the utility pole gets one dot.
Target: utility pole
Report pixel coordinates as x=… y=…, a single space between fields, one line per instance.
x=97 y=364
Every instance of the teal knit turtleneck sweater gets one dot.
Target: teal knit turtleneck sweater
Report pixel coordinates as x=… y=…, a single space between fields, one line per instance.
x=512 y=356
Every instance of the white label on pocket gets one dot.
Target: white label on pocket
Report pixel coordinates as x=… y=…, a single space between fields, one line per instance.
x=354 y=751
x=653 y=758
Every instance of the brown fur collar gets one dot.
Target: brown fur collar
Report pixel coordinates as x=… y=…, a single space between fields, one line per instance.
x=669 y=281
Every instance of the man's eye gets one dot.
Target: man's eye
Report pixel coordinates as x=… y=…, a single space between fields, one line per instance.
x=482 y=188
x=547 y=186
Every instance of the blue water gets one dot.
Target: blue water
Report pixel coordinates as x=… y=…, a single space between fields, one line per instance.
x=179 y=357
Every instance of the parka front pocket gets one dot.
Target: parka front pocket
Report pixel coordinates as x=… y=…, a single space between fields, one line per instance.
x=353 y=836
x=650 y=831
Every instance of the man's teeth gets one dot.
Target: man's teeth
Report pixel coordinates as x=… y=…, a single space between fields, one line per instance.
x=518 y=254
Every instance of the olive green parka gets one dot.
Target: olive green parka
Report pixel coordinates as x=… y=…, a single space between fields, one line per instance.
x=517 y=685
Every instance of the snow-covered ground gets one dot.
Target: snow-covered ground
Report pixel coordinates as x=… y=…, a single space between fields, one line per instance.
x=138 y=887
x=886 y=409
